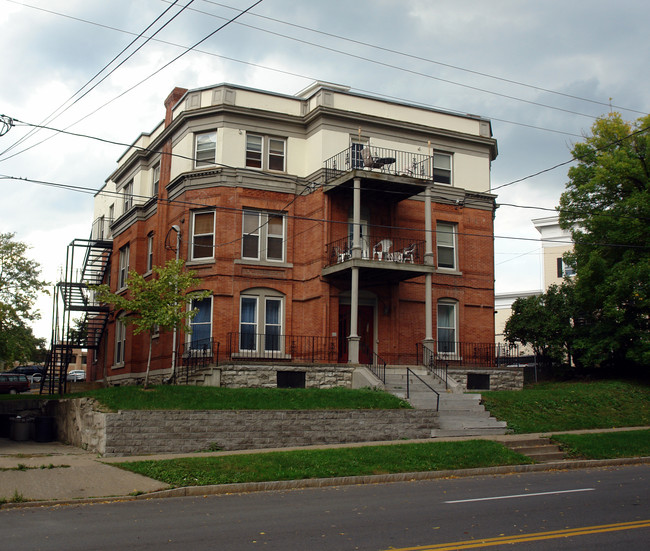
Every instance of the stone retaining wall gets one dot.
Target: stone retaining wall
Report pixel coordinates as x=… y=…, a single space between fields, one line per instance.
x=509 y=378
x=149 y=432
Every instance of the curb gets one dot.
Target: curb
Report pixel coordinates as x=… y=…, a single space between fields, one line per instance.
x=250 y=487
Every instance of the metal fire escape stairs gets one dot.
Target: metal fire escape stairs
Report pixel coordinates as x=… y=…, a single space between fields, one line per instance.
x=78 y=320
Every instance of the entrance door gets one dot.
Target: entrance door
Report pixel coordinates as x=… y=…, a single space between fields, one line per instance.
x=366 y=330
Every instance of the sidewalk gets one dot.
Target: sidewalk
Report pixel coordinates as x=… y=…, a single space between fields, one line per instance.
x=54 y=473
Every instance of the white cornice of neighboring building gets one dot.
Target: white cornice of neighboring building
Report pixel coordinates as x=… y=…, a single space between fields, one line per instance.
x=505 y=300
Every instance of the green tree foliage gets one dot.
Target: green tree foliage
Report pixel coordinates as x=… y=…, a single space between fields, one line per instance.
x=606 y=206
x=19 y=288
x=544 y=322
x=157 y=302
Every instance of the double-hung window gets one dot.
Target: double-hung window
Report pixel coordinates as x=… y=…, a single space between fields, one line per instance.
x=155 y=180
x=261 y=321
x=206 y=149
x=263 y=236
x=201 y=325
x=446 y=238
x=265 y=152
x=447 y=317
x=120 y=341
x=123 y=273
x=149 y=252
x=202 y=245
x=127 y=195
x=442 y=168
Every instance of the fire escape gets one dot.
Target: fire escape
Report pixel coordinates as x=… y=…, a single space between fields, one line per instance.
x=78 y=320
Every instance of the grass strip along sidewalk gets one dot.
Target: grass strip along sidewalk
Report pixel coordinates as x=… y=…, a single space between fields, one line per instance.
x=605 y=445
x=326 y=463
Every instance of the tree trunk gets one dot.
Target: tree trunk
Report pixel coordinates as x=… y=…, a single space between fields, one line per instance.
x=146 y=376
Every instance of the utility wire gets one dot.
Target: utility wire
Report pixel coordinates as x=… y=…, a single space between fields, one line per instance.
x=62 y=108
x=210 y=35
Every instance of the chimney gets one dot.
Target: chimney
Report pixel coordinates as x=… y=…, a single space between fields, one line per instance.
x=172 y=99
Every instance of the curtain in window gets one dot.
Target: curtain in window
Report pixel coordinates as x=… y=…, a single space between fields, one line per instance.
x=201 y=323
x=248 y=323
x=446 y=328
x=272 y=325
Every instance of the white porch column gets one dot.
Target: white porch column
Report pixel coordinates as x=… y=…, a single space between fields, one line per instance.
x=353 y=338
x=428 y=260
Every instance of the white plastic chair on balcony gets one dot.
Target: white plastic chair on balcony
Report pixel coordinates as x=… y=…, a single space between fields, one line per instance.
x=382 y=250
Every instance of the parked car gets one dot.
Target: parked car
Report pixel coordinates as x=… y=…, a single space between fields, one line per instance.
x=28 y=370
x=12 y=383
x=76 y=375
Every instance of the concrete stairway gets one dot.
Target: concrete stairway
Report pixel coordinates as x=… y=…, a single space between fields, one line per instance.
x=459 y=414
x=537 y=448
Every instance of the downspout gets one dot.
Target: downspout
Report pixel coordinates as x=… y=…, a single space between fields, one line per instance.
x=177 y=229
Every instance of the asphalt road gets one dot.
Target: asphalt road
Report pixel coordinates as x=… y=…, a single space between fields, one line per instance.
x=605 y=508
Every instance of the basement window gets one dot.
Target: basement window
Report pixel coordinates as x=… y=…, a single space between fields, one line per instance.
x=291 y=379
x=478 y=381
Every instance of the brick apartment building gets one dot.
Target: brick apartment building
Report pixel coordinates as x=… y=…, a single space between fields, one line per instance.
x=332 y=229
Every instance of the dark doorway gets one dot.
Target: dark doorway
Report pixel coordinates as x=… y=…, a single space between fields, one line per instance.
x=366 y=330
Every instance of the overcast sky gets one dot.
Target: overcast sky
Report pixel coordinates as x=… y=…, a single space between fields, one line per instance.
x=541 y=71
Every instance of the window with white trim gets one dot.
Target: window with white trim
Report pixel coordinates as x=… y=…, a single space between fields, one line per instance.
x=442 y=168
x=447 y=326
x=261 y=321
x=263 y=236
x=149 y=252
x=202 y=238
x=127 y=196
x=564 y=269
x=205 y=149
x=123 y=273
x=201 y=324
x=120 y=341
x=155 y=180
x=265 y=152
x=446 y=238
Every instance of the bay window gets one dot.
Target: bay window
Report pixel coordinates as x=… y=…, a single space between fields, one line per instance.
x=205 y=149
x=263 y=236
x=202 y=237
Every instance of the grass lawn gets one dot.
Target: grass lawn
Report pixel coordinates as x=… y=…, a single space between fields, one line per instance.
x=605 y=445
x=206 y=398
x=327 y=463
x=552 y=407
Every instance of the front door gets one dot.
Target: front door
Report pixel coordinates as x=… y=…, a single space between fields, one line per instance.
x=366 y=330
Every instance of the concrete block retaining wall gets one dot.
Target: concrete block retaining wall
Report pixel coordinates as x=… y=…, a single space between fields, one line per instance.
x=149 y=432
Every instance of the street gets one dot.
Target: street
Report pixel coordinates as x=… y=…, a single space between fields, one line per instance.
x=547 y=508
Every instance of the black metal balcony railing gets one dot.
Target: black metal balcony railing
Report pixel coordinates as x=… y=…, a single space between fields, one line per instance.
x=390 y=161
x=465 y=354
x=274 y=346
x=378 y=248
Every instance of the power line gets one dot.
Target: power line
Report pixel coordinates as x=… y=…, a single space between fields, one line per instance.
x=60 y=110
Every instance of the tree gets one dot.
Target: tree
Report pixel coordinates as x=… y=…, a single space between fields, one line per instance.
x=157 y=302
x=606 y=206
x=19 y=288
x=545 y=322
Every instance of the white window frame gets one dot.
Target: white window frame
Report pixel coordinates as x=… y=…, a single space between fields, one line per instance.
x=260 y=229
x=267 y=150
x=442 y=168
x=262 y=299
x=123 y=269
x=443 y=231
x=149 y=252
x=195 y=236
x=127 y=194
x=155 y=180
x=190 y=336
x=120 y=341
x=563 y=269
x=201 y=159
x=450 y=349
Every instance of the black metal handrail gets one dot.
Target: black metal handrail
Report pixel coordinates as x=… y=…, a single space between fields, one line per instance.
x=465 y=354
x=290 y=348
x=381 y=159
x=194 y=356
x=435 y=368
x=378 y=248
x=377 y=364
x=408 y=386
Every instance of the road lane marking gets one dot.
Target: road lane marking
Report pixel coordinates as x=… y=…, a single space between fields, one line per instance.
x=520 y=495
x=539 y=536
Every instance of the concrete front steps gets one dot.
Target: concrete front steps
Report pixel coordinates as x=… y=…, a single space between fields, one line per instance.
x=538 y=448
x=459 y=414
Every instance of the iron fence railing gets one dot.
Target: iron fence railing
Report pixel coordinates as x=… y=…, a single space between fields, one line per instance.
x=275 y=346
x=376 y=364
x=378 y=248
x=194 y=356
x=465 y=354
x=391 y=161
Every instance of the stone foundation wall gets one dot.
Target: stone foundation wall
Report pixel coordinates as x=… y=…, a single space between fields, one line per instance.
x=500 y=379
x=149 y=432
x=80 y=423
x=316 y=375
